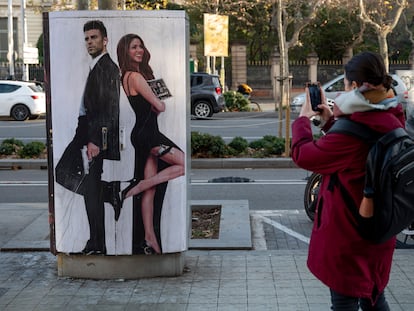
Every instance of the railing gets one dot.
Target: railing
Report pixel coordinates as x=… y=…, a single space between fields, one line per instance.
x=322 y=62
x=35 y=71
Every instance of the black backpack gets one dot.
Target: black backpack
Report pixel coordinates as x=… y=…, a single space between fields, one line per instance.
x=389 y=180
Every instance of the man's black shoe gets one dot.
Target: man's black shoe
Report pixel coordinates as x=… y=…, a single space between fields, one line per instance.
x=92 y=250
x=111 y=196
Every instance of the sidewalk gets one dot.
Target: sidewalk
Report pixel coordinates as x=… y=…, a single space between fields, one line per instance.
x=212 y=280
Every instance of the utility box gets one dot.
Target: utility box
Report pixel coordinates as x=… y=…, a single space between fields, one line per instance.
x=117 y=86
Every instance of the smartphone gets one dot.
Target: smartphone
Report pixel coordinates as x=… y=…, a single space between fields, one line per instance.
x=315 y=95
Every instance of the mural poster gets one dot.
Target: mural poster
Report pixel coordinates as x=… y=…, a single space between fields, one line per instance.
x=117 y=93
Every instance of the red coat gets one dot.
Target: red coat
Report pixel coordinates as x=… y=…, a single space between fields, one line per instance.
x=338 y=256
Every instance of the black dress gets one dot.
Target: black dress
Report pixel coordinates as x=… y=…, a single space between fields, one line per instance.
x=144 y=136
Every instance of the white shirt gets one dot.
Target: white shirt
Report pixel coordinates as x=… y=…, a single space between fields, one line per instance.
x=82 y=111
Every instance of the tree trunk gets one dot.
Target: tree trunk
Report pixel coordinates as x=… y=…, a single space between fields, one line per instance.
x=83 y=4
x=383 y=45
x=283 y=60
x=283 y=79
x=107 y=5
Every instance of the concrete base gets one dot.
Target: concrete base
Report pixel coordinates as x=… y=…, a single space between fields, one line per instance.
x=120 y=267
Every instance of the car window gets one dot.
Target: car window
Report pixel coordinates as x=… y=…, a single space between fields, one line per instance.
x=35 y=88
x=216 y=82
x=338 y=86
x=8 y=88
x=196 y=80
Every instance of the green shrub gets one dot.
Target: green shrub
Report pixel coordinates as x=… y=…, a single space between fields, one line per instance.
x=239 y=144
x=269 y=145
x=13 y=141
x=32 y=149
x=7 y=149
x=207 y=146
x=10 y=146
x=235 y=101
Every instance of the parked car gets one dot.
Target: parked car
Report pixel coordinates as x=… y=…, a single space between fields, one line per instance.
x=21 y=100
x=206 y=95
x=409 y=113
x=336 y=87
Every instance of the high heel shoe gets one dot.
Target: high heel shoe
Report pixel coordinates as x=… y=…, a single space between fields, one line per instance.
x=132 y=183
x=147 y=249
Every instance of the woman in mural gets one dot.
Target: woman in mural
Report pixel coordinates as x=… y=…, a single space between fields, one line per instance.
x=157 y=158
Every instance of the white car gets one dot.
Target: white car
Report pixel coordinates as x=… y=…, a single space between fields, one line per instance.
x=21 y=100
x=336 y=87
x=409 y=113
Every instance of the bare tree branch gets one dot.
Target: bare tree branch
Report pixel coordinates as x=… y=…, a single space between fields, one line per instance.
x=407 y=30
x=383 y=17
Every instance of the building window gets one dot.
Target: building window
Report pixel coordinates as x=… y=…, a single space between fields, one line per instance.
x=4 y=38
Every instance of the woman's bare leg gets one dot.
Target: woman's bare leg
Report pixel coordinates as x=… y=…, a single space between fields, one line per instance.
x=147 y=206
x=175 y=157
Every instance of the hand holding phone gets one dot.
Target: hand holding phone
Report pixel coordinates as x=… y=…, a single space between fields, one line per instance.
x=315 y=95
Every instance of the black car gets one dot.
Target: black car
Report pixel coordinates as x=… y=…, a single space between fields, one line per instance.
x=206 y=95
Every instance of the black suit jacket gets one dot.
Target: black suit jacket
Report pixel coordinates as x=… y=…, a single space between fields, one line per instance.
x=101 y=102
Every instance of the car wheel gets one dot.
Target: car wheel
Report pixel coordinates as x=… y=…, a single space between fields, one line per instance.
x=20 y=112
x=202 y=109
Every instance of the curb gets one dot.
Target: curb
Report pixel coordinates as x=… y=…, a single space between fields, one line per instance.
x=17 y=164
x=234 y=163
x=227 y=163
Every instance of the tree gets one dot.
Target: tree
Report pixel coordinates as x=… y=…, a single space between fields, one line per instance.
x=383 y=16
x=336 y=30
x=290 y=17
x=249 y=21
x=408 y=29
x=146 y=4
x=39 y=46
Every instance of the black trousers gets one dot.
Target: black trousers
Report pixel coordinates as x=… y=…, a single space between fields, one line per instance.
x=92 y=191
x=346 y=303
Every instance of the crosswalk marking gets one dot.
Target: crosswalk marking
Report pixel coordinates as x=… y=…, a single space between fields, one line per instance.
x=263 y=216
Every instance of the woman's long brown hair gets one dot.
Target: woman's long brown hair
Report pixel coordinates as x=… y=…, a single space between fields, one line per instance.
x=124 y=60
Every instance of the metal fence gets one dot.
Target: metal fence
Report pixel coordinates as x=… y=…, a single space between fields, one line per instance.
x=36 y=72
x=258 y=74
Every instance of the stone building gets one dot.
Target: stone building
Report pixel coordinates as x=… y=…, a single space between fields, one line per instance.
x=33 y=14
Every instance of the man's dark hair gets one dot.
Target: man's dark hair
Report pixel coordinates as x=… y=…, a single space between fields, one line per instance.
x=95 y=24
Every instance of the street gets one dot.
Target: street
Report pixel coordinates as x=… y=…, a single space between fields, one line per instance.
x=27 y=131
x=269 y=189
x=251 y=126
x=275 y=196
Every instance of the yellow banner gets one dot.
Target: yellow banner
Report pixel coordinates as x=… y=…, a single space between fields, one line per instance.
x=216 y=35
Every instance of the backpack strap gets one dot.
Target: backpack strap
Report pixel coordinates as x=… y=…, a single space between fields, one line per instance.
x=348 y=127
x=391 y=136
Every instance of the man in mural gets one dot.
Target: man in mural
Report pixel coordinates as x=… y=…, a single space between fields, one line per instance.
x=96 y=139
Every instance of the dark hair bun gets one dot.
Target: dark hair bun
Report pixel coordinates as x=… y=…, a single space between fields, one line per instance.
x=368 y=67
x=387 y=83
